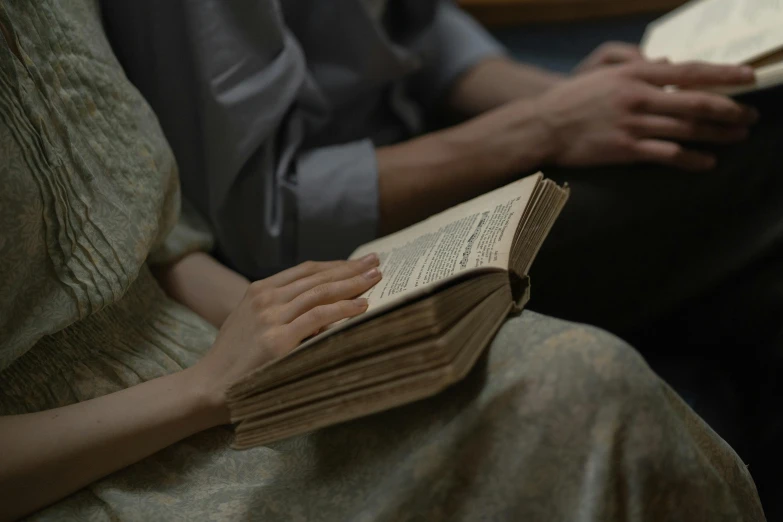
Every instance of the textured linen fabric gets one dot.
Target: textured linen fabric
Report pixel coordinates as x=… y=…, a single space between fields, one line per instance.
x=89 y=186
x=273 y=108
x=558 y=422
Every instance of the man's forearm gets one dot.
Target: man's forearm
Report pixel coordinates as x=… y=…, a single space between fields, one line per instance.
x=497 y=81
x=423 y=176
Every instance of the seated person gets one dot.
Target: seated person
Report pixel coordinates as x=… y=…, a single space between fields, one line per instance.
x=112 y=395
x=299 y=127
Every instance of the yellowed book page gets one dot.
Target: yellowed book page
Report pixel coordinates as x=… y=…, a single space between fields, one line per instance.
x=474 y=236
x=717 y=31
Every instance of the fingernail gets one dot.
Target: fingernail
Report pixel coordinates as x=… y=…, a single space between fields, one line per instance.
x=372 y=274
x=361 y=302
x=369 y=258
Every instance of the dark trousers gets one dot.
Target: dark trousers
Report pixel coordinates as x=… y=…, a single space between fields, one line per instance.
x=693 y=263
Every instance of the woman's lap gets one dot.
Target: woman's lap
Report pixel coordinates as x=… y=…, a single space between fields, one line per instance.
x=558 y=421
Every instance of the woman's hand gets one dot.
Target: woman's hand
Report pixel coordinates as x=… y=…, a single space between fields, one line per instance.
x=49 y=454
x=277 y=314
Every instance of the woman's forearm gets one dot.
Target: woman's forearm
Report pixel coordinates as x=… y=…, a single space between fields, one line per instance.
x=47 y=455
x=201 y=283
x=50 y=454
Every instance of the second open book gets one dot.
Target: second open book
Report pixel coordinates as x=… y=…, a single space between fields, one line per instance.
x=448 y=284
x=731 y=32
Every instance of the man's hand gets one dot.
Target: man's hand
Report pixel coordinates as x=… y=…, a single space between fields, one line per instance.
x=622 y=114
x=617 y=114
x=610 y=53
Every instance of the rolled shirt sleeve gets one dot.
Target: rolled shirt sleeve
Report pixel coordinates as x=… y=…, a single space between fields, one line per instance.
x=237 y=97
x=452 y=46
x=230 y=84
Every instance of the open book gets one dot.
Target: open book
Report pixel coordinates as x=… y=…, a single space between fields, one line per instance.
x=448 y=284
x=731 y=32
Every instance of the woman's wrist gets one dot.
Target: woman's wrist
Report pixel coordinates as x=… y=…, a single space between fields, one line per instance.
x=204 y=285
x=205 y=401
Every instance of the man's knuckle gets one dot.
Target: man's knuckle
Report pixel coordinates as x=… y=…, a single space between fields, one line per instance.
x=260 y=301
x=632 y=69
x=605 y=48
x=698 y=105
x=726 y=108
x=615 y=47
x=672 y=153
x=256 y=287
x=632 y=99
x=622 y=143
x=685 y=127
x=269 y=315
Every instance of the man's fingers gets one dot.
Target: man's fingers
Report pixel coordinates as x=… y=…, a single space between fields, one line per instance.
x=654 y=126
x=338 y=272
x=673 y=154
x=329 y=293
x=612 y=53
x=313 y=321
x=694 y=74
x=695 y=105
x=619 y=52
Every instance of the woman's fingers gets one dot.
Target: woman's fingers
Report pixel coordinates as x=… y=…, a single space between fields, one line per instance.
x=299 y=271
x=673 y=154
x=341 y=271
x=700 y=106
x=315 y=319
x=310 y=268
x=328 y=293
x=654 y=126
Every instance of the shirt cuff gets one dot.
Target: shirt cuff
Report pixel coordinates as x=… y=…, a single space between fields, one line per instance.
x=457 y=43
x=337 y=200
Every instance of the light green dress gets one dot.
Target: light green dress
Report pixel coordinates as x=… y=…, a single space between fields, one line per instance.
x=558 y=422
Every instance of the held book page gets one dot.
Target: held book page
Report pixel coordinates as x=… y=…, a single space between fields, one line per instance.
x=717 y=31
x=474 y=236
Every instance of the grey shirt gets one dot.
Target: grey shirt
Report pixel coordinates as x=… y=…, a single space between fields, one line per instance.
x=274 y=108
